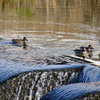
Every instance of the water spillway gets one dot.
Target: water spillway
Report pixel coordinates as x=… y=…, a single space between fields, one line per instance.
x=85 y=87
x=37 y=82
x=7 y=71
x=74 y=91
x=89 y=74
x=52 y=82
x=36 y=75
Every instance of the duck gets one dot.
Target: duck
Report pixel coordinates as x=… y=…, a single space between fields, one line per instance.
x=82 y=51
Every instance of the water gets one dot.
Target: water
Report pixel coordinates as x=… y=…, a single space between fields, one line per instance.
x=82 y=85
x=56 y=81
x=53 y=28
x=90 y=74
x=72 y=91
x=8 y=71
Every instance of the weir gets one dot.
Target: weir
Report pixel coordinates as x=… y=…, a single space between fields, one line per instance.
x=34 y=84
x=75 y=92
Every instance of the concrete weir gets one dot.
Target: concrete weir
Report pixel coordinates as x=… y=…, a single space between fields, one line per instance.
x=34 y=84
x=52 y=80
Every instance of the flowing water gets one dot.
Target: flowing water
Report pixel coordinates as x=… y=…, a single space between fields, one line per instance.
x=53 y=28
x=58 y=27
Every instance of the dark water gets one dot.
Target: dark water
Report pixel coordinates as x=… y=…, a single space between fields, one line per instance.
x=57 y=27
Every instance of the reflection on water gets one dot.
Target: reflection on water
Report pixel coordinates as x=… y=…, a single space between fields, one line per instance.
x=59 y=26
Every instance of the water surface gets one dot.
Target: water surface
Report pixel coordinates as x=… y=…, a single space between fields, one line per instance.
x=57 y=27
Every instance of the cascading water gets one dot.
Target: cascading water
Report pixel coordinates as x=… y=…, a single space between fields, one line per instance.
x=73 y=91
x=89 y=74
x=32 y=85
x=87 y=82
x=33 y=74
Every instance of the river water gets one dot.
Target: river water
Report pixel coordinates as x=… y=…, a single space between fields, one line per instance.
x=53 y=28
x=56 y=27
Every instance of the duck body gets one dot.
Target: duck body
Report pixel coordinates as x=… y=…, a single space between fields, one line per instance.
x=83 y=51
x=17 y=41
